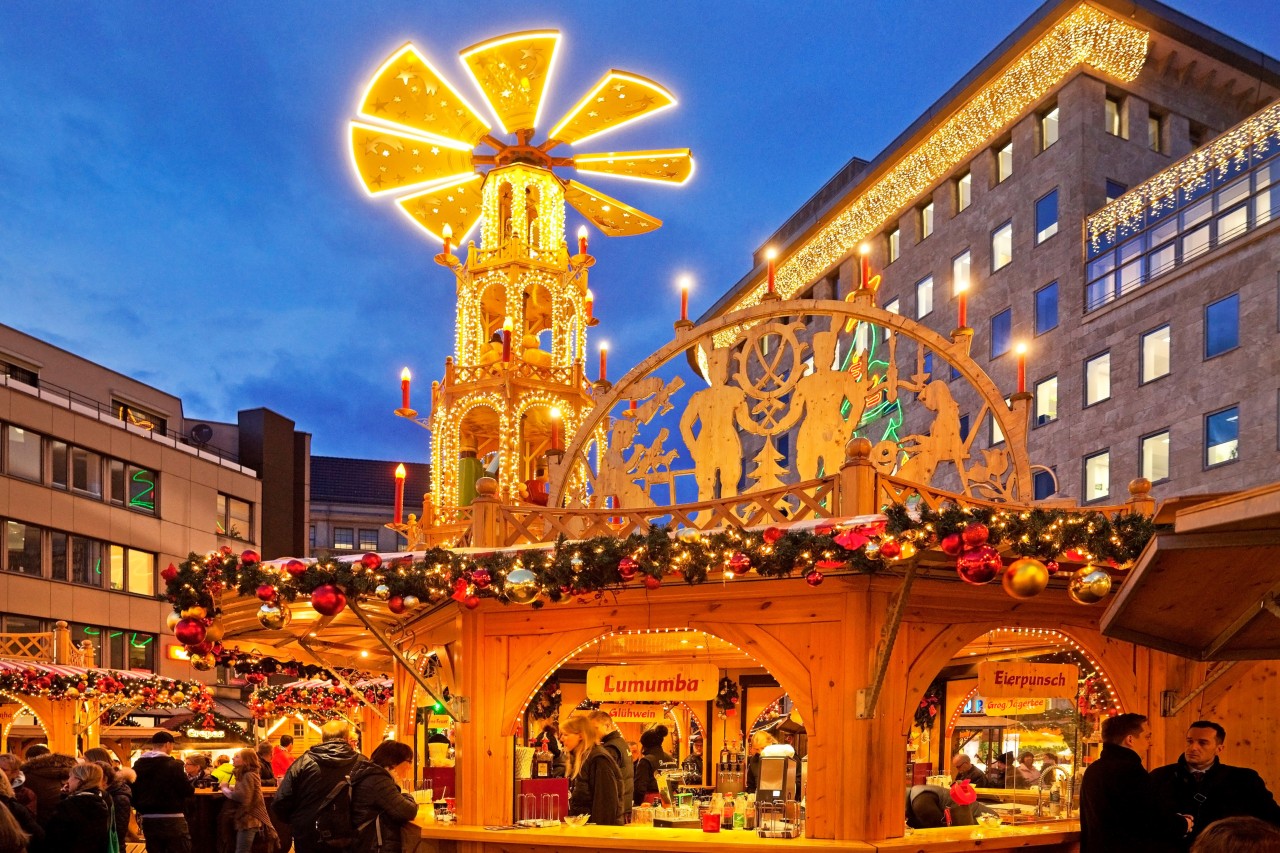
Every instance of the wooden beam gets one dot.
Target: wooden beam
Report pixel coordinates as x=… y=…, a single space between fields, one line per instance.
x=1240 y=623
x=1170 y=705
x=430 y=689
x=868 y=696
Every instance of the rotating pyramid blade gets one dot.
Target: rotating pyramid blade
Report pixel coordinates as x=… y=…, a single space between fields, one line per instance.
x=618 y=99
x=389 y=161
x=512 y=71
x=456 y=204
x=674 y=166
x=409 y=91
x=608 y=214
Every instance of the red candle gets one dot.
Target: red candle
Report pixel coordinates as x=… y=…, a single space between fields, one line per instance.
x=506 y=339
x=866 y=271
x=772 y=255
x=448 y=237
x=404 y=388
x=684 y=298
x=591 y=304
x=604 y=362
x=963 y=293
x=400 y=475
x=582 y=240
x=1022 y=368
x=555 y=429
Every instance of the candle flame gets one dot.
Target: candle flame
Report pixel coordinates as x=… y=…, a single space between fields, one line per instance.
x=507 y=325
x=400 y=472
x=582 y=232
x=1020 y=349
x=864 y=249
x=404 y=375
x=447 y=231
x=685 y=282
x=555 y=413
x=591 y=297
x=604 y=346
x=961 y=286
x=770 y=253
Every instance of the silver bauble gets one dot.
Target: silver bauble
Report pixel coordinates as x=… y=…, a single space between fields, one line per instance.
x=522 y=586
x=1089 y=585
x=273 y=618
x=382 y=591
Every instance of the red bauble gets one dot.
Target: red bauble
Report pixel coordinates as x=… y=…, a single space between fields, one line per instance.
x=295 y=567
x=266 y=592
x=993 y=559
x=814 y=578
x=249 y=557
x=952 y=545
x=471 y=602
x=975 y=534
x=890 y=549
x=771 y=534
x=371 y=561
x=651 y=582
x=396 y=604
x=169 y=573
x=1052 y=566
x=190 y=631
x=627 y=568
x=739 y=562
x=201 y=648
x=255 y=677
x=481 y=578
x=328 y=599
x=974 y=567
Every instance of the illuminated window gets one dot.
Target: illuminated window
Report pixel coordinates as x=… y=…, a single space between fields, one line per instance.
x=1002 y=246
x=1004 y=162
x=997 y=434
x=132 y=486
x=1047 y=308
x=960 y=267
x=894 y=244
x=22 y=548
x=1155 y=354
x=1001 y=332
x=1222 y=436
x=1154 y=136
x=1113 y=116
x=1047 y=400
x=1097 y=476
x=1097 y=379
x=924 y=297
x=368 y=540
x=139 y=417
x=893 y=306
x=926 y=220
x=234 y=518
x=964 y=191
x=1047 y=217
x=1155 y=456
x=344 y=538
x=1222 y=326
x=23 y=450
x=1048 y=128
x=131 y=570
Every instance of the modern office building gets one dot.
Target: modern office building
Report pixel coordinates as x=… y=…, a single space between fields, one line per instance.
x=104 y=481
x=353 y=499
x=1106 y=183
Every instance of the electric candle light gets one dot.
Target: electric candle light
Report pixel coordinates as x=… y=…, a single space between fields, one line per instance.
x=590 y=302
x=604 y=361
x=771 y=254
x=962 y=291
x=506 y=339
x=400 y=475
x=555 y=428
x=448 y=238
x=685 y=284
x=1021 y=350
x=404 y=388
x=582 y=240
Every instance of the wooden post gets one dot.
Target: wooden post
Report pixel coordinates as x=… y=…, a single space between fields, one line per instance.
x=1140 y=501
x=61 y=643
x=856 y=494
x=486 y=526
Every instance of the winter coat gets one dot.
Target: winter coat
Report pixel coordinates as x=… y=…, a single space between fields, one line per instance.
x=646 y=773
x=122 y=797
x=80 y=822
x=245 y=796
x=24 y=795
x=306 y=784
x=45 y=775
x=1225 y=791
x=1119 y=811
x=376 y=798
x=26 y=820
x=975 y=777
x=927 y=807
x=161 y=787
x=597 y=789
x=616 y=745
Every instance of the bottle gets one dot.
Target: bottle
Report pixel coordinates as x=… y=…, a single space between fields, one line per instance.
x=543 y=761
x=740 y=812
x=726 y=815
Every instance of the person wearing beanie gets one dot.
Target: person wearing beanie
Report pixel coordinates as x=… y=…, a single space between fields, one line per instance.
x=652 y=757
x=159 y=794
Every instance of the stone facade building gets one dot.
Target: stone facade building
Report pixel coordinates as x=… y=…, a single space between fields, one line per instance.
x=353 y=499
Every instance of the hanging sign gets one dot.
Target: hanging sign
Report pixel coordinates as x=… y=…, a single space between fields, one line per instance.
x=658 y=682
x=1012 y=706
x=1027 y=680
x=7 y=713
x=632 y=713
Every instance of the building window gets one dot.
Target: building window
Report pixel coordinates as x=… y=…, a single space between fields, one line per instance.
x=1097 y=379
x=1047 y=217
x=1048 y=128
x=1001 y=332
x=895 y=237
x=964 y=191
x=129 y=650
x=964 y=427
x=86 y=472
x=926 y=220
x=311 y=536
x=234 y=518
x=1115 y=189
x=960 y=266
x=139 y=417
x=924 y=297
x=132 y=486
x=23 y=451
x=86 y=561
x=344 y=538
x=1046 y=400
x=1222 y=326
x=1004 y=162
x=1047 y=308
x=58 y=552
x=1155 y=456
x=22 y=548
x=1097 y=476
x=1154 y=137
x=19 y=374
x=1044 y=484
x=1221 y=436
x=1113 y=116
x=997 y=434
x=1001 y=246
x=893 y=306
x=368 y=540
x=132 y=570
x=1155 y=354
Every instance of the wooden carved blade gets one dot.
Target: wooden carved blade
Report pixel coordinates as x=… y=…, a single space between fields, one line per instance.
x=608 y=214
x=456 y=204
x=674 y=166
x=512 y=72
x=409 y=91
x=389 y=161
x=618 y=99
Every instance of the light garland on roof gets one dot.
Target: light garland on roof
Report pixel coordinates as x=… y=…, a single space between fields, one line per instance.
x=1087 y=36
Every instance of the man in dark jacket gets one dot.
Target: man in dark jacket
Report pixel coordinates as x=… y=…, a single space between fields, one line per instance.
x=1119 y=811
x=159 y=794
x=311 y=779
x=616 y=745
x=963 y=767
x=1200 y=785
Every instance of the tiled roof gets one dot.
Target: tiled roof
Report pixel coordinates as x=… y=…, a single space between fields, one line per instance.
x=336 y=479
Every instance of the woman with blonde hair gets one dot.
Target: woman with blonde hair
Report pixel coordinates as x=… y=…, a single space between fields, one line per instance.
x=18 y=826
x=82 y=821
x=595 y=783
x=249 y=809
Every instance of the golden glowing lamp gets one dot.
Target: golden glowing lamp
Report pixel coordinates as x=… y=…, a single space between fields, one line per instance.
x=962 y=311
x=590 y=306
x=507 y=327
x=555 y=428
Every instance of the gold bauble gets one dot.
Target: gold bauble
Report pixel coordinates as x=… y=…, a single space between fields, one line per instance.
x=268 y=706
x=1089 y=585
x=522 y=586
x=1025 y=577
x=906 y=550
x=273 y=618
x=72 y=693
x=194 y=613
x=179 y=697
x=214 y=632
x=203 y=663
x=172 y=620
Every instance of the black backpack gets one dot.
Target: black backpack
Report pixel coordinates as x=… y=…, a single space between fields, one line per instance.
x=335 y=832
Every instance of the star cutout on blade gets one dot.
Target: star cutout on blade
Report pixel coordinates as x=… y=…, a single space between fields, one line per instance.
x=404 y=77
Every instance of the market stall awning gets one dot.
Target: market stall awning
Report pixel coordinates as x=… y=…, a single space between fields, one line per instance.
x=1208 y=590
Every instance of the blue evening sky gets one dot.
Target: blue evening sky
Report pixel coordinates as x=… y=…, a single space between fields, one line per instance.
x=176 y=201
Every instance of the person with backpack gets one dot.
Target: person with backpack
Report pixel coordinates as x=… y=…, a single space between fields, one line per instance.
x=160 y=792
x=315 y=797
x=82 y=820
x=378 y=807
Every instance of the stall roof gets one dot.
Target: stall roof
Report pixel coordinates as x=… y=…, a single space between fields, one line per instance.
x=1208 y=590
